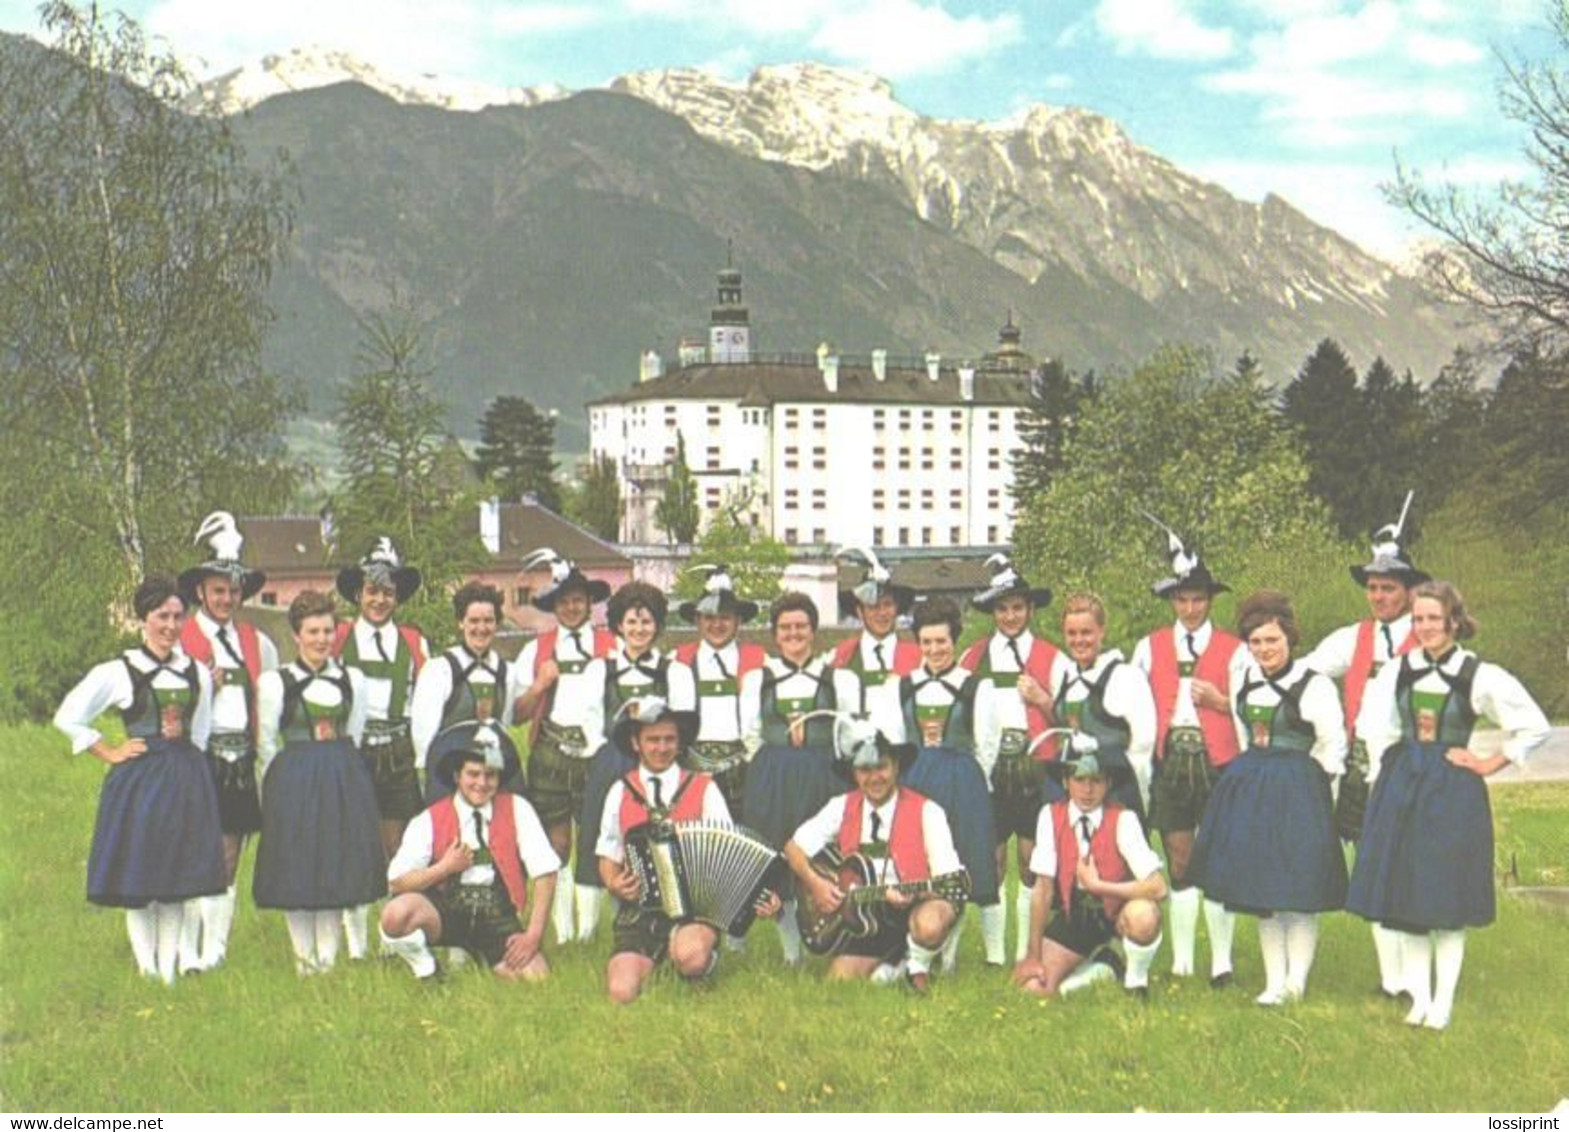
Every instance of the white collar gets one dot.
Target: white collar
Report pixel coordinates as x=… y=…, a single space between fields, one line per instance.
x=1026 y=641
x=331 y=670
x=706 y=649
x=464 y=809
x=1092 y=673
x=210 y=627
x=669 y=778
x=1201 y=635
x=1096 y=816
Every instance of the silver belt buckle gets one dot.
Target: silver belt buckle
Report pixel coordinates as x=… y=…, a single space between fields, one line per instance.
x=230 y=746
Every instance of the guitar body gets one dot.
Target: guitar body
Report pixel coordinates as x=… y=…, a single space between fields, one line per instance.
x=853 y=919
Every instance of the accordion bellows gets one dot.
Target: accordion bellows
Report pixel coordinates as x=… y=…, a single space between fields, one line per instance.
x=710 y=871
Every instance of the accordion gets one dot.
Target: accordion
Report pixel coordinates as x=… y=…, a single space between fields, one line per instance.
x=709 y=871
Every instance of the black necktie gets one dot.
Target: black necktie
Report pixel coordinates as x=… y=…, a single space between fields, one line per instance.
x=1013 y=647
x=382 y=649
x=479 y=830
x=877 y=655
x=719 y=662
x=223 y=639
x=659 y=799
x=1389 y=639
x=877 y=826
x=577 y=639
x=1193 y=651
x=1084 y=830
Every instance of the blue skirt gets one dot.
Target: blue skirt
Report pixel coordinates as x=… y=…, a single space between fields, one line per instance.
x=439 y=771
x=1267 y=841
x=785 y=786
x=157 y=836
x=954 y=780
x=321 y=830
x=1425 y=861
x=608 y=766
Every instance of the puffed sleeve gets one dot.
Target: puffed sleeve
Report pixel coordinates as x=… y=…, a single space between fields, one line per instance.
x=269 y=711
x=593 y=704
x=1320 y=705
x=609 y=844
x=201 y=719
x=1332 y=656
x=416 y=850
x=268 y=651
x=1499 y=696
x=358 y=708
x=752 y=711
x=682 y=687
x=1141 y=656
x=430 y=697
x=106 y=685
x=534 y=849
x=1134 y=702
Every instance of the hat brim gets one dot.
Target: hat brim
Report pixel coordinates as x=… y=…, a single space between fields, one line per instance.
x=251 y=582
x=1168 y=587
x=1061 y=770
x=1038 y=596
x=406 y=580
x=626 y=728
x=447 y=748
x=903 y=600
x=740 y=608
x=597 y=589
x=1407 y=575
x=903 y=755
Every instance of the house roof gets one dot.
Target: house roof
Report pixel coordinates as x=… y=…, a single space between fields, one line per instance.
x=798 y=379
x=925 y=575
x=528 y=526
x=283 y=544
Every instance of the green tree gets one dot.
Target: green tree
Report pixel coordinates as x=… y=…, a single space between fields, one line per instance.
x=1325 y=406
x=1203 y=452
x=136 y=248
x=756 y=561
x=516 y=451
x=677 y=513
x=596 y=502
x=1045 y=426
x=1390 y=462
x=404 y=475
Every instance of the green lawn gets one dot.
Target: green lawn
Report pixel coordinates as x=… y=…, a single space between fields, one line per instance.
x=80 y=1031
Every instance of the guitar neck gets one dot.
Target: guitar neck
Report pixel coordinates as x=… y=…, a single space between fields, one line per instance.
x=869 y=893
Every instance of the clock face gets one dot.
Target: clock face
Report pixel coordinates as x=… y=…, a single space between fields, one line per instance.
x=736 y=337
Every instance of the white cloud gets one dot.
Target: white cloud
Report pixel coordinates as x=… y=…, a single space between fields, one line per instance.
x=1442 y=50
x=898 y=38
x=1162 y=29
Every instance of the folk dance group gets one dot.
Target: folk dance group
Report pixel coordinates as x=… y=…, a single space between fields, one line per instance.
x=890 y=775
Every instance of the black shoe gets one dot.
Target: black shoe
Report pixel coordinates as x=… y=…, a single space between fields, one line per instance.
x=1221 y=981
x=1108 y=957
x=918 y=983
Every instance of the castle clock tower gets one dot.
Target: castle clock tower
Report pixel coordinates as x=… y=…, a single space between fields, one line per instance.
x=729 y=331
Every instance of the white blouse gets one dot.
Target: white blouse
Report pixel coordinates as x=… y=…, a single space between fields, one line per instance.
x=108 y=685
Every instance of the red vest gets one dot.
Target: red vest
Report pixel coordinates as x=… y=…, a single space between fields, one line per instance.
x=906 y=655
x=688 y=807
x=1214 y=665
x=906 y=840
x=750 y=656
x=410 y=635
x=1038 y=666
x=1103 y=851
x=196 y=645
x=1362 y=668
x=502 y=835
x=545 y=649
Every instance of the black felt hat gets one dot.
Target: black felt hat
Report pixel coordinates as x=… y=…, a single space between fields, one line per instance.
x=719 y=597
x=381 y=565
x=1006 y=581
x=564 y=578
x=1390 y=560
x=224 y=540
x=1188 y=570
x=640 y=711
x=876 y=584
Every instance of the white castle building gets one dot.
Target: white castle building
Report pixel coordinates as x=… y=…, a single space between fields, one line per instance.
x=821 y=448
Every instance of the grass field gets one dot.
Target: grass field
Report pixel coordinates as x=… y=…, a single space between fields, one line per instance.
x=79 y=1030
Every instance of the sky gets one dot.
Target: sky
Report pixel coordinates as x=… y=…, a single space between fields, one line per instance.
x=1314 y=100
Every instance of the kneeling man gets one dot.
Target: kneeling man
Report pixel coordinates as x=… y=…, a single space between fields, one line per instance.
x=906 y=843
x=461 y=875
x=1096 y=880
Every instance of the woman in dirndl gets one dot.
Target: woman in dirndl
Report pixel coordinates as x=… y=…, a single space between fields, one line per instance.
x=636 y=614
x=795 y=771
x=157 y=841
x=321 y=830
x=939 y=717
x=1424 y=866
x=1267 y=844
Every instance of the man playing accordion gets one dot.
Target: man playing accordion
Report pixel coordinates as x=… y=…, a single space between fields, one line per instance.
x=905 y=846
x=657 y=791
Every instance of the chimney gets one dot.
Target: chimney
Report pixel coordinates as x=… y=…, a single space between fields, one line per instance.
x=651 y=366
x=329 y=533
x=967 y=382
x=933 y=364
x=880 y=364
x=490 y=524
x=831 y=372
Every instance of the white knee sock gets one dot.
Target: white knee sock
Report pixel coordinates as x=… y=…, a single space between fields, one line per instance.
x=789 y=934
x=589 y=899
x=217 y=918
x=356 y=930
x=1139 y=957
x=191 y=935
x=920 y=960
x=1448 y=958
x=1301 y=945
x=1222 y=926
x=950 y=948
x=1184 y=919
x=1272 y=942
x=561 y=907
x=413 y=950
x=994 y=924
x=1417 y=960
x=302 y=937
x=1021 y=916
x=171 y=921
x=141 y=924
x=327 y=924
x=1086 y=974
x=1387 y=946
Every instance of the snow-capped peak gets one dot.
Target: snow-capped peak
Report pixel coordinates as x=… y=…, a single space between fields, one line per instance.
x=306 y=68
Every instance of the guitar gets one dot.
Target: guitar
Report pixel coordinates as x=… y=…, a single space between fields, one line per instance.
x=857 y=915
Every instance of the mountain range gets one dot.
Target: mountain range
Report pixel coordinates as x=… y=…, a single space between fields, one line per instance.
x=550 y=237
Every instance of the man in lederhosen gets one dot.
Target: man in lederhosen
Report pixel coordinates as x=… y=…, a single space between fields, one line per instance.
x=461 y=876
x=236 y=653
x=391 y=656
x=1192 y=666
x=876 y=655
x=564 y=698
x=1354 y=654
